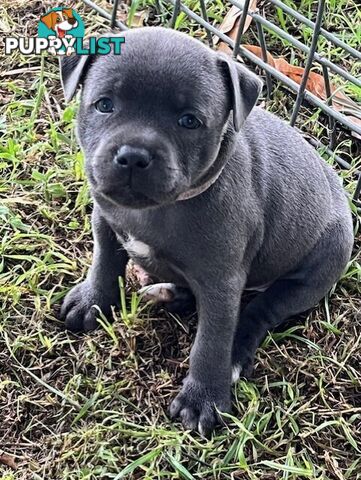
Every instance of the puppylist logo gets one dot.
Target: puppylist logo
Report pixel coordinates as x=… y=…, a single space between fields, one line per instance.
x=61 y=32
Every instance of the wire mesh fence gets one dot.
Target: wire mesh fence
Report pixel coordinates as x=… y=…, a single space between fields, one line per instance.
x=301 y=91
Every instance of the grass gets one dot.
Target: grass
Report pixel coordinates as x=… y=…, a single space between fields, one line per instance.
x=95 y=406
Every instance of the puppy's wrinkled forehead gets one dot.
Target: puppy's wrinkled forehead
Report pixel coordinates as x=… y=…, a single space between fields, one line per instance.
x=156 y=64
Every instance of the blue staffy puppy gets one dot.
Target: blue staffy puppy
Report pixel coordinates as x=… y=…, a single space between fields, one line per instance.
x=206 y=192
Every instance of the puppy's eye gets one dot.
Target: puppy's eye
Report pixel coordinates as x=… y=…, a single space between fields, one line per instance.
x=189 y=121
x=104 y=105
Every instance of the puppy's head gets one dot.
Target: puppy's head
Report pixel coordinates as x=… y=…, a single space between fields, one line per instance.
x=60 y=21
x=152 y=120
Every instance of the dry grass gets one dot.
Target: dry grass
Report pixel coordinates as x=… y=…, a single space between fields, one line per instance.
x=95 y=406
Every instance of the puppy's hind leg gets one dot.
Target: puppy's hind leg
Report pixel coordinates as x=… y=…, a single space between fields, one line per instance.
x=176 y=299
x=291 y=295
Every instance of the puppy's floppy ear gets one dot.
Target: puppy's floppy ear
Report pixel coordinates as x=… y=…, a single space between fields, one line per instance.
x=245 y=87
x=72 y=73
x=49 y=20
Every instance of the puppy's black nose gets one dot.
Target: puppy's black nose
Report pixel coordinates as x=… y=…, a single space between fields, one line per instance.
x=72 y=20
x=132 y=157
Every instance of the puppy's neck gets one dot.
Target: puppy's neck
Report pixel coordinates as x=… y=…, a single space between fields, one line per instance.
x=194 y=192
x=213 y=173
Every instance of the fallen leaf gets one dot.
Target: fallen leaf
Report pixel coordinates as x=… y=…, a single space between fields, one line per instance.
x=231 y=22
x=315 y=84
x=139 y=18
x=258 y=51
x=7 y=460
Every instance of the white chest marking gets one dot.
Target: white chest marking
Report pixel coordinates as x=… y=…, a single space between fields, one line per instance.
x=136 y=248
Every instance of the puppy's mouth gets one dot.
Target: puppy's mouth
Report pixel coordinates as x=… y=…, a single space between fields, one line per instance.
x=126 y=198
x=62 y=31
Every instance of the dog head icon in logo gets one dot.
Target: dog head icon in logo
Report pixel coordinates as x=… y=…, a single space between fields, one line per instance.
x=59 y=22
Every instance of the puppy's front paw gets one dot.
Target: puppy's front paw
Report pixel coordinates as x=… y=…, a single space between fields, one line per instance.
x=196 y=406
x=78 y=309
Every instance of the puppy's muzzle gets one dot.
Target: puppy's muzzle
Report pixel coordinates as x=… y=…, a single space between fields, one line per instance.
x=130 y=158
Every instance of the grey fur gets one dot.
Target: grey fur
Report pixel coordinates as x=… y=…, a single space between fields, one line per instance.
x=277 y=214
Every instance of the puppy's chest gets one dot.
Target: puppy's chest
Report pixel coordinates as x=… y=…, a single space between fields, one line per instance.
x=137 y=249
x=151 y=257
